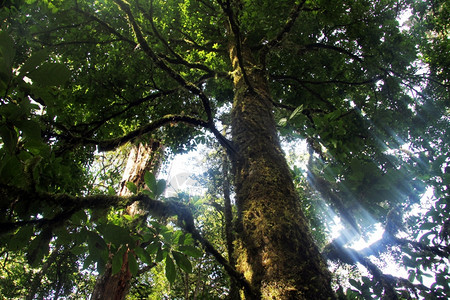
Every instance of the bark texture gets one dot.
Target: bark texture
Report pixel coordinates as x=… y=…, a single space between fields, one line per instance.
x=142 y=158
x=276 y=252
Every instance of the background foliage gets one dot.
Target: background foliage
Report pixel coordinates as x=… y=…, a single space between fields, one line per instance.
x=369 y=98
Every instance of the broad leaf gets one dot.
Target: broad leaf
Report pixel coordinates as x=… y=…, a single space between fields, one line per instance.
x=150 y=181
x=115 y=234
x=182 y=261
x=132 y=187
x=33 y=62
x=190 y=251
x=7 y=52
x=50 y=74
x=143 y=255
x=31 y=129
x=170 y=269
x=117 y=260
x=160 y=187
x=132 y=264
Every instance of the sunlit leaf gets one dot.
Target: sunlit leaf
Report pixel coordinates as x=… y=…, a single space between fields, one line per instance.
x=132 y=187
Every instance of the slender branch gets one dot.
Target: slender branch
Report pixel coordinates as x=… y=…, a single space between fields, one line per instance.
x=111 y=144
x=154 y=96
x=107 y=27
x=317 y=95
x=335 y=251
x=334 y=48
x=161 y=63
x=91 y=42
x=178 y=58
x=293 y=15
x=351 y=83
x=188 y=224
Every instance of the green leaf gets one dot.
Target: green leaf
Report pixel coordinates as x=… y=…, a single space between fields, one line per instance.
x=170 y=269
x=97 y=247
x=79 y=217
x=50 y=74
x=143 y=255
x=115 y=234
x=150 y=181
x=160 y=187
x=31 y=129
x=11 y=169
x=182 y=261
x=21 y=238
x=117 y=260
x=355 y=283
x=148 y=193
x=366 y=280
x=9 y=138
x=132 y=264
x=132 y=187
x=188 y=239
x=33 y=62
x=427 y=226
x=7 y=52
x=297 y=111
x=282 y=122
x=190 y=251
x=154 y=247
x=160 y=254
x=39 y=247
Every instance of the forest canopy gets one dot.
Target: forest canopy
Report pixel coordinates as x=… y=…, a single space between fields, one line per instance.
x=97 y=96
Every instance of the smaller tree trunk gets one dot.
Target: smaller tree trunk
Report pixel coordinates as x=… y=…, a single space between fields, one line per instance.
x=142 y=158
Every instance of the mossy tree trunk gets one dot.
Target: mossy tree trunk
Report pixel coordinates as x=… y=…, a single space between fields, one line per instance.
x=276 y=252
x=142 y=158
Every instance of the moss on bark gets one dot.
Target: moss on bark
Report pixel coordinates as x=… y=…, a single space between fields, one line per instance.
x=276 y=252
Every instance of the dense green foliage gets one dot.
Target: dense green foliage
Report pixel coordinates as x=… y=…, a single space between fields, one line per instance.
x=77 y=78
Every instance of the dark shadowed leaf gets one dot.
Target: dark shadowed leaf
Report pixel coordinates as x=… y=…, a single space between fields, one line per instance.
x=170 y=269
x=182 y=261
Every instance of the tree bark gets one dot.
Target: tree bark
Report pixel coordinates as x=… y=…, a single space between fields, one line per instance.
x=276 y=252
x=142 y=158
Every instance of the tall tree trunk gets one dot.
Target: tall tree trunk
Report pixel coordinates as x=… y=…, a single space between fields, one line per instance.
x=142 y=158
x=276 y=252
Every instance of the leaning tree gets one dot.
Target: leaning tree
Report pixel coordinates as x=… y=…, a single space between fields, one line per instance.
x=79 y=78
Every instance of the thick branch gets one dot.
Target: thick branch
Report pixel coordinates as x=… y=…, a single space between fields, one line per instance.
x=228 y=10
x=71 y=205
